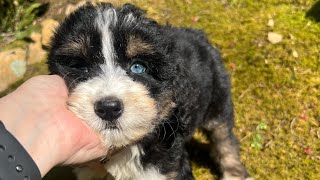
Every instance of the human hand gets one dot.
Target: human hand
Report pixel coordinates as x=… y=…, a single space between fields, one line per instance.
x=37 y=115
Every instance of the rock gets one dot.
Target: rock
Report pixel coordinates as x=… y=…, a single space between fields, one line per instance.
x=270 y=23
x=12 y=67
x=48 y=28
x=71 y=7
x=274 y=38
x=295 y=54
x=35 y=52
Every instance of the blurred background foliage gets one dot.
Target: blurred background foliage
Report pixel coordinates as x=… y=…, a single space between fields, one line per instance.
x=17 y=16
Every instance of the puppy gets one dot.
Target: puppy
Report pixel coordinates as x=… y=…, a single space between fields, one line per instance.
x=146 y=88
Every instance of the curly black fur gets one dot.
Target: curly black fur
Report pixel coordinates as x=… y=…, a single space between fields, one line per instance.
x=183 y=67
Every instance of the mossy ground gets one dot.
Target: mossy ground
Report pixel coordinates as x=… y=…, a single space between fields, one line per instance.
x=276 y=94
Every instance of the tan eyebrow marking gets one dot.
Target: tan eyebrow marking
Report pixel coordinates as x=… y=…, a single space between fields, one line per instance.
x=76 y=46
x=136 y=46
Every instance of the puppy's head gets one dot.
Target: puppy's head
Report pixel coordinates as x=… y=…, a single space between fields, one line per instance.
x=117 y=65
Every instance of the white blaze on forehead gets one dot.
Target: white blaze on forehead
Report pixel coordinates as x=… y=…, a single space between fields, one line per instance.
x=106 y=19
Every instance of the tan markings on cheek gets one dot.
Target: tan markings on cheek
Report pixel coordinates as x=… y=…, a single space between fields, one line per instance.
x=141 y=105
x=136 y=46
x=76 y=47
x=141 y=112
x=165 y=105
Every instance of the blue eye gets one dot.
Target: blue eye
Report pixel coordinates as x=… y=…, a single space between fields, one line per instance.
x=137 y=68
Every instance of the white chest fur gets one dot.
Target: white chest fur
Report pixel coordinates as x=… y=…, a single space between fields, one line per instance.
x=126 y=165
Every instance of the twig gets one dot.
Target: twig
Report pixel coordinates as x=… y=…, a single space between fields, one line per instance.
x=245 y=92
x=246 y=136
x=278 y=127
x=268 y=143
x=291 y=125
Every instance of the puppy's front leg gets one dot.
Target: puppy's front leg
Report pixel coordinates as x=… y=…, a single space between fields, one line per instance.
x=225 y=150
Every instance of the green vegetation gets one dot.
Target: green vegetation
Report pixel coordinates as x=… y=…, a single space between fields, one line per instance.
x=275 y=86
x=16 y=17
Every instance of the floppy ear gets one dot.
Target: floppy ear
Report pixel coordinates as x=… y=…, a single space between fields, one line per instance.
x=130 y=8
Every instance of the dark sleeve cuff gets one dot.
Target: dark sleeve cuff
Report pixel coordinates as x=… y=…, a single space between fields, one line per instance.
x=15 y=162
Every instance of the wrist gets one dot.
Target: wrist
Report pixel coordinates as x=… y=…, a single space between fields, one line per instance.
x=32 y=136
x=16 y=162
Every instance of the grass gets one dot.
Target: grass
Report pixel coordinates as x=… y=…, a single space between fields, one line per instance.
x=276 y=94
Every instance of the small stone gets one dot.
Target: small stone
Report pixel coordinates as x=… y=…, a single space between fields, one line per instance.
x=12 y=67
x=274 y=38
x=48 y=28
x=35 y=52
x=295 y=54
x=270 y=23
x=69 y=9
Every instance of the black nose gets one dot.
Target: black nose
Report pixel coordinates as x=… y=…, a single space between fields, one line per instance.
x=109 y=108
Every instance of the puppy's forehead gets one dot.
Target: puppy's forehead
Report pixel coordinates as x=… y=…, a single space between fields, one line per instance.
x=76 y=46
x=120 y=31
x=137 y=46
x=116 y=31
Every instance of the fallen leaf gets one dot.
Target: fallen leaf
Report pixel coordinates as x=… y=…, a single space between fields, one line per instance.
x=195 y=18
x=232 y=66
x=303 y=116
x=308 y=151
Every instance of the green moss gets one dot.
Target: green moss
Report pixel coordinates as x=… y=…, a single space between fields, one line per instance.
x=270 y=85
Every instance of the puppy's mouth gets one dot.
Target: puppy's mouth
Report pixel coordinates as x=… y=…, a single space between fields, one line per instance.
x=112 y=126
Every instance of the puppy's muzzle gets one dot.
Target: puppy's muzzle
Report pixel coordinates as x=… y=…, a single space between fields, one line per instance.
x=109 y=108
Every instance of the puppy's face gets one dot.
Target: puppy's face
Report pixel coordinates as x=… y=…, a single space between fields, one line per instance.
x=117 y=66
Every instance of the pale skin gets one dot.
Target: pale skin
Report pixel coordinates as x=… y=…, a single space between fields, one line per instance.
x=36 y=114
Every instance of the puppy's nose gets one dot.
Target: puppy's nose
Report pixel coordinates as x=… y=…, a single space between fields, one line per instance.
x=109 y=108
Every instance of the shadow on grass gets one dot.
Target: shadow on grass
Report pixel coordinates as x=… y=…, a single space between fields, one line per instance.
x=314 y=12
x=200 y=155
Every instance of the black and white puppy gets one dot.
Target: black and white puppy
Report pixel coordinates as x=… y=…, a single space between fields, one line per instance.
x=146 y=88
